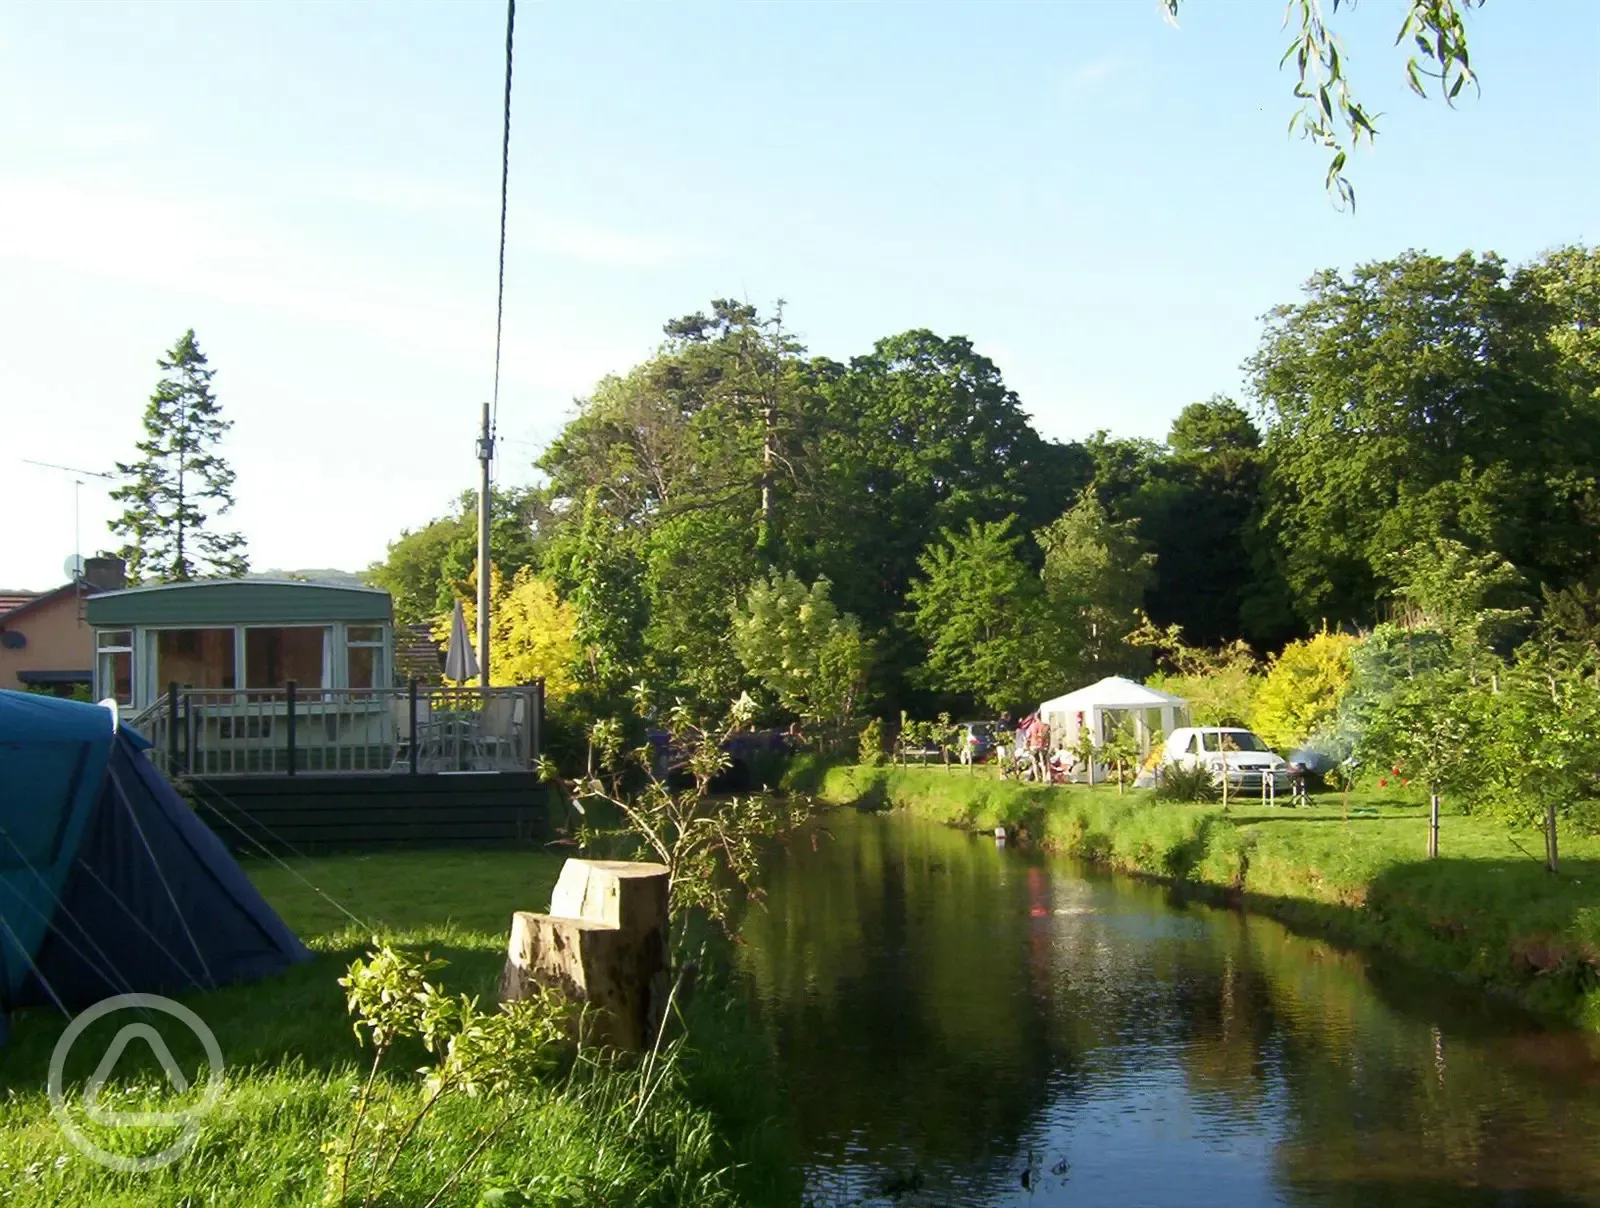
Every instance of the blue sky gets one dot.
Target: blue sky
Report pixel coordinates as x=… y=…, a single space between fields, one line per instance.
x=1103 y=203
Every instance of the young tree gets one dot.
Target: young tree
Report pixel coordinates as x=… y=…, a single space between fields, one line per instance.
x=1429 y=729
x=1541 y=750
x=179 y=482
x=983 y=615
x=1095 y=575
x=531 y=632
x=811 y=656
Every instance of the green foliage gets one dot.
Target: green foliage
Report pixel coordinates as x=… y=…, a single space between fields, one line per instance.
x=1119 y=751
x=1096 y=572
x=1428 y=730
x=984 y=617
x=603 y=581
x=799 y=646
x=1220 y=685
x=870 y=746
x=1422 y=398
x=426 y=570
x=485 y=1056
x=1299 y=697
x=710 y=846
x=1543 y=760
x=179 y=482
x=1179 y=782
x=1329 y=115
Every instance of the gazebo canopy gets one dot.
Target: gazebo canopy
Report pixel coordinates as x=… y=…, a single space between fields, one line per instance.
x=1112 y=693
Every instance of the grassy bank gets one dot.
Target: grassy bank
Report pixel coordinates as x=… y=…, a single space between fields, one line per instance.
x=1486 y=911
x=293 y=1067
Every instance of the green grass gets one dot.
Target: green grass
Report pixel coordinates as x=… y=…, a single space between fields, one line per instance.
x=293 y=1065
x=1486 y=911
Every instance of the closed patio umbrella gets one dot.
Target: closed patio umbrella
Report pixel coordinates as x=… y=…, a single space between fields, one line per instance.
x=460 y=662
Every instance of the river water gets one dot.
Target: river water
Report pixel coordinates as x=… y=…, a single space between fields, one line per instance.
x=964 y=1025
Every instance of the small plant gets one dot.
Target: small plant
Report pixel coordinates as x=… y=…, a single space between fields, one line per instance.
x=1120 y=752
x=709 y=845
x=870 y=747
x=477 y=1054
x=1186 y=784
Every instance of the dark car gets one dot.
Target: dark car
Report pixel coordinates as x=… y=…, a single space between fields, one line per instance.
x=979 y=738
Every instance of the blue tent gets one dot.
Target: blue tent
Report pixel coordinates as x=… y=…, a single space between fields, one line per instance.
x=109 y=883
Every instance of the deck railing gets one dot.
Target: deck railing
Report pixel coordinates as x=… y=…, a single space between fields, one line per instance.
x=415 y=730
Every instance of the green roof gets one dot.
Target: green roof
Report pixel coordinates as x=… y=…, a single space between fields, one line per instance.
x=237 y=602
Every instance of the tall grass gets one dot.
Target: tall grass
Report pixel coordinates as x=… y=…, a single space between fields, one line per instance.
x=1354 y=870
x=712 y=1135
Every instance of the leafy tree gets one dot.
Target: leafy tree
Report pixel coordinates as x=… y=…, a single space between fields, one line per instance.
x=426 y=570
x=531 y=632
x=1299 y=697
x=1446 y=588
x=1542 y=756
x=918 y=436
x=696 y=567
x=983 y=614
x=1417 y=398
x=602 y=579
x=1428 y=729
x=1220 y=684
x=179 y=481
x=1095 y=575
x=792 y=638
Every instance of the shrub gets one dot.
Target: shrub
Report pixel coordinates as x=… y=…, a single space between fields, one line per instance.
x=871 y=744
x=1302 y=689
x=1178 y=783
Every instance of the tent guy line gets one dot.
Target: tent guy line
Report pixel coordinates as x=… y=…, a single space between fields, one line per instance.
x=218 y=795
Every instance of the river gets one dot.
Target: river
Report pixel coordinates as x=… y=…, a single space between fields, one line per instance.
x=962 y=1024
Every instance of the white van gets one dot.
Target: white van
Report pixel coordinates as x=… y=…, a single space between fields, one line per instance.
x=1246 y=760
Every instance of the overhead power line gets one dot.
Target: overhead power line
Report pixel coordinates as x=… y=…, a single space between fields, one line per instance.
x=505 y=180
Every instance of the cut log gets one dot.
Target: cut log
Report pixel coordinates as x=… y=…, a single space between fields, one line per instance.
x=604 y=943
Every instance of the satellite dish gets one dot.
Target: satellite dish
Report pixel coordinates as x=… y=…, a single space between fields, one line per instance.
x=73 y=567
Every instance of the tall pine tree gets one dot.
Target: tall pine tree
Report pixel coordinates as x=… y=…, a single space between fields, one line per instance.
x=179 y=482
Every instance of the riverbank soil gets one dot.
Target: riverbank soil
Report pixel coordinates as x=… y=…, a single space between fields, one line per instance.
x=293 y=1067
x=1486 y=911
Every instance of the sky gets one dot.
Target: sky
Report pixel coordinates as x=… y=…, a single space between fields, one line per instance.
x=1105 y=204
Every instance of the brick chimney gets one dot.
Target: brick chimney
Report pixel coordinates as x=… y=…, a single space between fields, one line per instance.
x=105 y=573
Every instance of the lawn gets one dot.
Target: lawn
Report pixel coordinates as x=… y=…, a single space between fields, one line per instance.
x=293 y=1066
x=1486 y=910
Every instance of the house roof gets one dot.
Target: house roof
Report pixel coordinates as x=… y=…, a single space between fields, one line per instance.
x=1113 y=692
x=38 y=600
x=14 y=599
x=238 y=602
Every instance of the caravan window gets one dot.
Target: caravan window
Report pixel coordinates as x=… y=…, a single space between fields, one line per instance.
x=273 y=657
x=365 y=656
x=114 y=665
x=194 y=658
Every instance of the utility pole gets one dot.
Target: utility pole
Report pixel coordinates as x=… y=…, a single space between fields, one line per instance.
x=485 y=456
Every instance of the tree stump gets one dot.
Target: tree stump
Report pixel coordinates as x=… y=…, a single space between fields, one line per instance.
x=604 y=943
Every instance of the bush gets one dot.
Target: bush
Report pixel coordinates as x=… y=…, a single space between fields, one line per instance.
x=1178 y=783
x=1302 y=689
x=871 y=744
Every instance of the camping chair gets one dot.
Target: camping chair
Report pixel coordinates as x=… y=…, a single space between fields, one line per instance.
x=428 y=731
x=503 y=725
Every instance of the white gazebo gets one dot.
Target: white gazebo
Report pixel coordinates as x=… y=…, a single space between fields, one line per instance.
x=1100 y=707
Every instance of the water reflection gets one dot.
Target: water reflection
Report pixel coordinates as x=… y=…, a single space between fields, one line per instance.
x=961 y=1024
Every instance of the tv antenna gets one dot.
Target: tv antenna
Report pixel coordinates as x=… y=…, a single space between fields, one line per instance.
x=74 y=565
